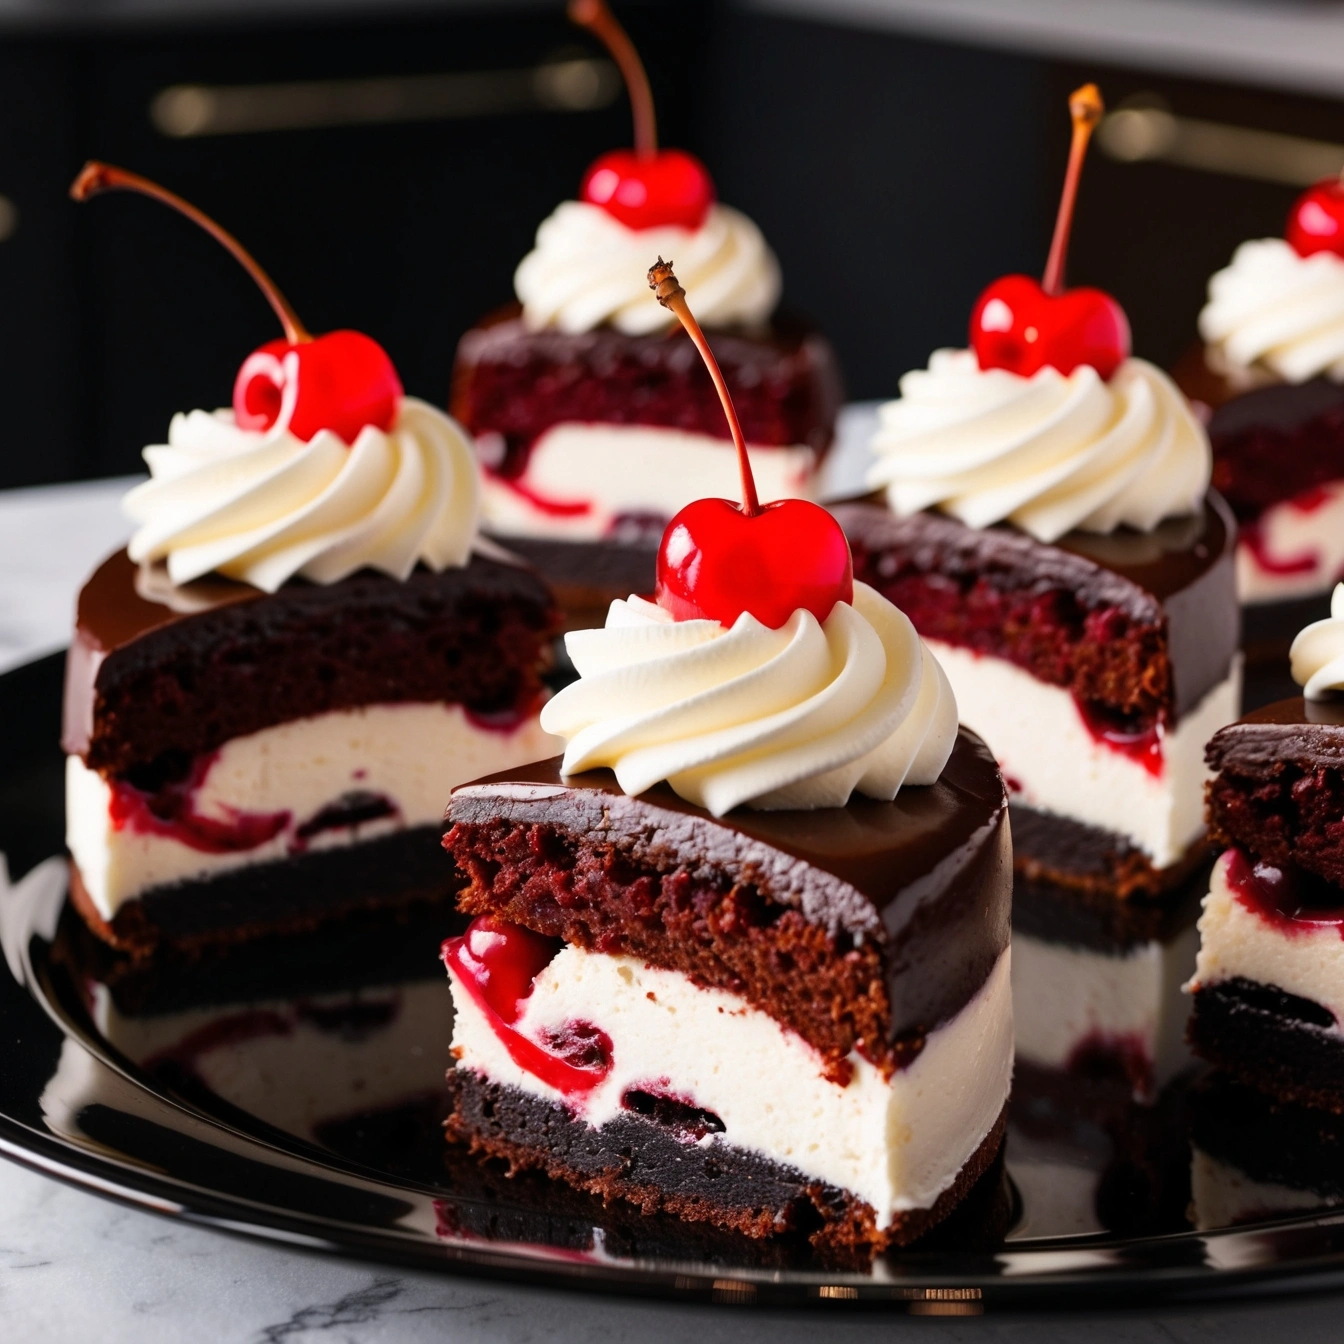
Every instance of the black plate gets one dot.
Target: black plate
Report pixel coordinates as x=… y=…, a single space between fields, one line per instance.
x=293 y=1092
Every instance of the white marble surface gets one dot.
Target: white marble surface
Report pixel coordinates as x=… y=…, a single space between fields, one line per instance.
x=76 y=1267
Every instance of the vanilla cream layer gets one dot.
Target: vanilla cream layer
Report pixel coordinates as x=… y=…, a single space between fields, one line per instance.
x=611 y=472
x=282 y=1065
x=896 y=1143
x=1066 y=997
x=1051 y=761
x=411 y=754
x=1236 y=942
x=1289 y=532
x=1223 y=1195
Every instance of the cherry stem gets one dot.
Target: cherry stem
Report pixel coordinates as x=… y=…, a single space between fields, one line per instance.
x=96 y=177
x=671 y=295
x=1085 y=107
x=601 y=22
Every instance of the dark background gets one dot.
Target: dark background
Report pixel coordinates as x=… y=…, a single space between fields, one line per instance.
x=894 y=176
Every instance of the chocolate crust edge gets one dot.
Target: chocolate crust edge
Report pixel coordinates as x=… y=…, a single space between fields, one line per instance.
x=847 y=1222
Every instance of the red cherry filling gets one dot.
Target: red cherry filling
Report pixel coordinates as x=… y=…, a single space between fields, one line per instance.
x=1017 y=326
x=1023 y=326
x=644 y=188
x=669 y=188
x=716 y=562
x=340 y=382
x=1290 y=898
x=497 y=963
x=1316 y=221
x=719 y=559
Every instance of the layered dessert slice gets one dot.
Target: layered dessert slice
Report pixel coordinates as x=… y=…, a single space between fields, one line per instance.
x=594 y=418
x=1269 y=377
x=270 y=691
x=742 y=954
x=1043 y=517
x=1269 y=983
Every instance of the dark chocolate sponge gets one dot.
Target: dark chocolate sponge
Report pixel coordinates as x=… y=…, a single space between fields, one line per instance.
x=143 y=679
x=864 y=926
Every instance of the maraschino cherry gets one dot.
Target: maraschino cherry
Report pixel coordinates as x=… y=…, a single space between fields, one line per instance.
x=647 y=187
x=718 y=559
x=1022 y=326
x=341 y=381
x=1316 y=221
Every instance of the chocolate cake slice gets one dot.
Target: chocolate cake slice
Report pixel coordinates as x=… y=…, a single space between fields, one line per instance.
x=1269 y=985
x=242 y=762
x=1097 y=666
x=767 y=1021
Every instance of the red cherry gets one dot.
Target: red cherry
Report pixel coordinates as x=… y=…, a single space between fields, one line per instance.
x=716 y=562
x=650 y=191
x=341 y=381
x=1316 y=221
x=1017 y=326
x=501 y=960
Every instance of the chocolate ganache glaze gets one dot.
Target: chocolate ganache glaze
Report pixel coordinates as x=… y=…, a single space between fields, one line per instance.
x=860 y=927
x=156 y=667
x=1173 y=588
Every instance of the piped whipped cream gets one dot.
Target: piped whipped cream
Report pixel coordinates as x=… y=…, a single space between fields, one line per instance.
x=798 y=717
x=265 y=507
x=1049 y=453
x=588 y=268
x=1276 y=310
x=1317 y=655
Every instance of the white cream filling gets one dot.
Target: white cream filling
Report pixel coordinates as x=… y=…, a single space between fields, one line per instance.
x=1065 y=996
x=1052 y=762
x=1237 y=942
x=897 y=1144
x=616 y=470
x=1223 y=1195
x=294 y=1074
x=1289 y=531
x=414 y=754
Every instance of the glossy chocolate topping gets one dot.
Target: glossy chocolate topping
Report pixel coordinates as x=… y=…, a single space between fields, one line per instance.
x=1179 y=578
x=926 y=878
x=1307 y=733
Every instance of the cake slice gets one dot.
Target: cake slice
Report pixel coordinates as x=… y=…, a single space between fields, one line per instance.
x=742 y=954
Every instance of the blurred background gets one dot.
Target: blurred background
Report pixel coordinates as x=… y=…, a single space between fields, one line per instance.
x=388 y=163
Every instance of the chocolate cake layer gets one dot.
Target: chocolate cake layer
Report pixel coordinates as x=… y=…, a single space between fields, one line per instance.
x=288 y=896
x=1277 y=1043
x=663 y=1169
x=517 y=383
x=586 y=578
x=1272 y=441
x=1141 y=624
x=144 y=678
x=1279 y=792
x=859 y=927
x=1095 y=865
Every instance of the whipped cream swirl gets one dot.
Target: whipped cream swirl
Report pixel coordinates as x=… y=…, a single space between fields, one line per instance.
x=1276 y=310
x=1049 y=453
x=798 y=717
x=1317 y=655
x=264 y=507
x=588 y=268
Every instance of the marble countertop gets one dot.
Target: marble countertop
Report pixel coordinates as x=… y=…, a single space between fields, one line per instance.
x=76 y=1267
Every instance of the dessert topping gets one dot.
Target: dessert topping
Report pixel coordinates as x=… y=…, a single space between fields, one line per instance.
x=498 y=964
x=1316 y=221
x=1023 y=326
x=763 y=674
x=1317 y=655
x=1278 y=309
x=339 y=382
x=717 y=559
x=1048 y=453
x=643 y=188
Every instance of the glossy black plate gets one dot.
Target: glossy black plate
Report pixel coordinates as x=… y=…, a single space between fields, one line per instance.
x=293 y=1092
